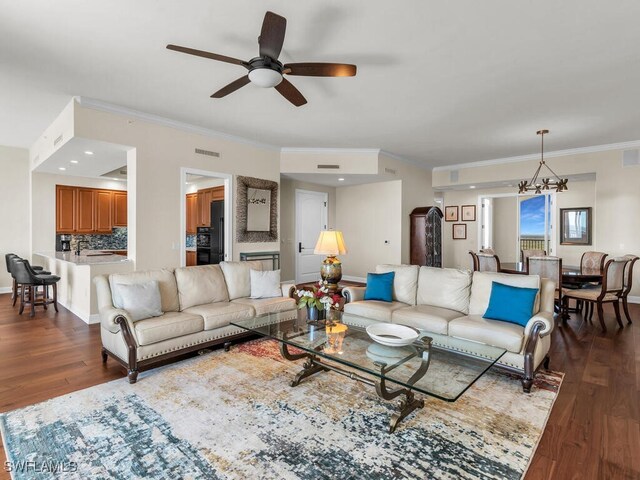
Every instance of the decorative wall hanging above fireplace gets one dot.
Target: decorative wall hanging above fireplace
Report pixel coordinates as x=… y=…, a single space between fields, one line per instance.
x=256 y=210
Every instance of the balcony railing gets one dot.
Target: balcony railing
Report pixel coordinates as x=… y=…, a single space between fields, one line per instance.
x=534 y=243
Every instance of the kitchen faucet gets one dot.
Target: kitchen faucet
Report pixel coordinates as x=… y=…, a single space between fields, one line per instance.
x=78 y=245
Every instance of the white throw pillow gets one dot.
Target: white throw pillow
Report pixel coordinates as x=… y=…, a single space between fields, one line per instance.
x=265 y=284
x=141 y=300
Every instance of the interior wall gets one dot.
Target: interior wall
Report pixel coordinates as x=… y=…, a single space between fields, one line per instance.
x=370 y=218
x=505 y=228
x=43 y=204
x=160 y=152
x=288 y=189
x=14 y=207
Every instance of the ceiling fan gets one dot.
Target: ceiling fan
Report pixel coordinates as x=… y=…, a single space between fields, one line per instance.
x=265 y=70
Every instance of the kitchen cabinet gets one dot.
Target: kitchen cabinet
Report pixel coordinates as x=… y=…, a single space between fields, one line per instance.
x=191 y=258
x=119 y=209
x=103 y=211
x=192 y=213
x=204 y=199
x=65 y=209
x=88 y=210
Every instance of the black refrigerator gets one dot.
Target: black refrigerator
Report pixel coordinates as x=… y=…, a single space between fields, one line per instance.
x=210 y=240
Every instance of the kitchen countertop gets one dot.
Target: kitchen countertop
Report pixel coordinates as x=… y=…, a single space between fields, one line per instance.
x=84 y=259
x=190 y=249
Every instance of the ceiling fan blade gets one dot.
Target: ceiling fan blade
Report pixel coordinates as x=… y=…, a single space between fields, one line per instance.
x=321 y=69
x=212 y=56
x=232 y=87
x=272 y=35
x=291 y=93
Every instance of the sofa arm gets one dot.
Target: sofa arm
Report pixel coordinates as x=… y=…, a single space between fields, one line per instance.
x=353 y=294
x=108 y=319
x=545 y=318
x=288 y=290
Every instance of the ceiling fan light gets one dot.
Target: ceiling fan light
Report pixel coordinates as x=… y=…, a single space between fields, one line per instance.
x=265 y=77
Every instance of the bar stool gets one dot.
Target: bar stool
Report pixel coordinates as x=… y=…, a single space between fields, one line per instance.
x=16 y=286
x=30 y=281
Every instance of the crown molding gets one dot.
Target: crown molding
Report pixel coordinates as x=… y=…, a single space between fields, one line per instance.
x=536 y=156
x=95 y=104
x=330 y=151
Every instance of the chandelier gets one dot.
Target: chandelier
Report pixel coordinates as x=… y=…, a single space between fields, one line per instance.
x=537 y=186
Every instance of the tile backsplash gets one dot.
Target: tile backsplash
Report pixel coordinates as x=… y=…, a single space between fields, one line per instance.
x=116 y=241
x=191 y=241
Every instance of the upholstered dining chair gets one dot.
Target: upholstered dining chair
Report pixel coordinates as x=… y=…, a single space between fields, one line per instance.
x=524 y=254
x=488 y=250
x=546 y=266
x=608 y=292
x=488 y=262
x=628 y=280
x=593 y=261
x=474 y=260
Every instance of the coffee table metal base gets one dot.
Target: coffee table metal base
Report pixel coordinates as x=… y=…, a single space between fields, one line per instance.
x=314 y=364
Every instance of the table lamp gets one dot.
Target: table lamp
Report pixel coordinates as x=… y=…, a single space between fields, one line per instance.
x=331 y=243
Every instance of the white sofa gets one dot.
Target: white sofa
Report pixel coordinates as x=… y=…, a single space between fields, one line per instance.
x=198 y=303
x=452 y=302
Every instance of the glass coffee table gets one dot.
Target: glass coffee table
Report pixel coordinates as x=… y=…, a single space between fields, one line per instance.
x=436 y=365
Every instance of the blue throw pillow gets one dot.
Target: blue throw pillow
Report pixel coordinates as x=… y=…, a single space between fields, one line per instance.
x=379 y=286
x=511 y=304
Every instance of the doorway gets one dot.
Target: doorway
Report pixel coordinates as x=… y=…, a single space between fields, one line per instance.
x=311 y=218
x=206 y=218
x=535 y=223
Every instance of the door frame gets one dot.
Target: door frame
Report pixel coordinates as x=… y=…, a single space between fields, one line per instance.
x=324 y=195
x=228 y=213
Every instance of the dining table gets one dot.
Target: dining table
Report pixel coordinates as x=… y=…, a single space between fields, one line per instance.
x=570 y=274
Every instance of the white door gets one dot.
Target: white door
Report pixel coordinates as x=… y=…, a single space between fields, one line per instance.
x=311 y=219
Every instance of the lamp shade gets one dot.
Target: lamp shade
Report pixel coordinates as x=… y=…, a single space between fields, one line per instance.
x=330 y=242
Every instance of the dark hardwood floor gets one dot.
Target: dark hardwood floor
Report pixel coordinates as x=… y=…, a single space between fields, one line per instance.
x=593 y=431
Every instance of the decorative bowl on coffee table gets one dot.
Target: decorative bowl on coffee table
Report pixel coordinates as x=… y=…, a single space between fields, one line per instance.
x=393 y=334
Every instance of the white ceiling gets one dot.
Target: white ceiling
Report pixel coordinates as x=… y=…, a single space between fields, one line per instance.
x=439 y=82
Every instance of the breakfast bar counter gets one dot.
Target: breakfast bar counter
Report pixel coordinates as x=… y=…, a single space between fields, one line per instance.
x=76 y=291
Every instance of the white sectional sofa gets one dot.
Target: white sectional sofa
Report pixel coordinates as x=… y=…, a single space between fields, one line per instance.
x=452 y=302
x=197 y=304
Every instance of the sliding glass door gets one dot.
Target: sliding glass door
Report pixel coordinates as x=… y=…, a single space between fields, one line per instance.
x=536 y=223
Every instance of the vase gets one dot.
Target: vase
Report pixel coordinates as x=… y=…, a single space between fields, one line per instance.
x=313 y=314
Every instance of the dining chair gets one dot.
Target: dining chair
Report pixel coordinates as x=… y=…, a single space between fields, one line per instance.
x=546 y=266
x=593 y=261
x=524 y=254
x=474 y=260
x=628 y=280
x=607 y=292
x=488 y=250
x=488 y=262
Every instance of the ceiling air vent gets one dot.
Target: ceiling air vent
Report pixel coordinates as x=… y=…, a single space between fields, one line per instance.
x=57 y=140
x=630 y=158
x=329 y=167
x=390 y=170
x=208 y=153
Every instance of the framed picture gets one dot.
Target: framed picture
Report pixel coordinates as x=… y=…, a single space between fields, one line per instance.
x=459 y=231
x=468 y=213
x=575 y=226
x=451 y=214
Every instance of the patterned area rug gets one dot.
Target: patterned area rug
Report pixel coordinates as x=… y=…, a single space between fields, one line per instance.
x=234 y=415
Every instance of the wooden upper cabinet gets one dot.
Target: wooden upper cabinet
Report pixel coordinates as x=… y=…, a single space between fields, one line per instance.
x=192 y=213
x=204 y=199
x=86 y=206
x=88 y=210
x=103 y=211
x=217 y=193
x=119 y=209
x=65 y=209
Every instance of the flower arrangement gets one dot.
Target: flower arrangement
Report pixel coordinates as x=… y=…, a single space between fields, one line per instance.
x=318 y=297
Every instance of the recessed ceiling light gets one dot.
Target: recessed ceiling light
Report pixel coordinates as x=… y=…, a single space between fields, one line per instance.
x=61 y=168
x=472 y=186
x=74 y=161
x=88 y=152
x=341 y=179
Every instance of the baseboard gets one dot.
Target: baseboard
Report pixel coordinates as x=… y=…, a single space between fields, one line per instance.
x=633 y=299
x=5 y=290
x=349 y=278
x=94 y=318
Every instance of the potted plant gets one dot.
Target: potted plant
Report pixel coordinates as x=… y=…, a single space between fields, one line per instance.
x=318 y=301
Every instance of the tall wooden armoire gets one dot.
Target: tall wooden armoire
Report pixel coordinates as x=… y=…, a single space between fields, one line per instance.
x=426 y=237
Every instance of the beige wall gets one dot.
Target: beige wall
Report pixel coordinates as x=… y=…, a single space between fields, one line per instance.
x=505 y=228
x=158 y=153
x=614 y=196
x=14 y=207
x=288 y=189
x=43 y=204
x=368 y=215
